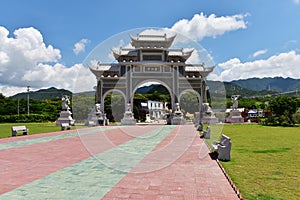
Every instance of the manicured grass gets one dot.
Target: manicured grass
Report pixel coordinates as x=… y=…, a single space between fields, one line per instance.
x=265 y=161
x=34 y=128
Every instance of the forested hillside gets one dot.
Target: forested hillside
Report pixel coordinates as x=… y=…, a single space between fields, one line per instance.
x=50 y=93
x=274 y=84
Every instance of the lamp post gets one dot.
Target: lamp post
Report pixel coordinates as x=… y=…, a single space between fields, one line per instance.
x=28 y=89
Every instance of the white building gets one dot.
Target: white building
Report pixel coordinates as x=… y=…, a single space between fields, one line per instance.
x=156 y=109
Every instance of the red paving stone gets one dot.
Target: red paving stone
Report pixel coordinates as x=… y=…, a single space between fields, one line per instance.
x=192 y=176
x=25 y=164
x=178 y=168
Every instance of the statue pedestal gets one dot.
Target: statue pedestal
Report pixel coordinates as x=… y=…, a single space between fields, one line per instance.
x=177 y=118
x=207 y=116
x=128 y=119
x=235 y=117
x=65 y=117
x=209 y=120
x=92 y=120
x=96 y=119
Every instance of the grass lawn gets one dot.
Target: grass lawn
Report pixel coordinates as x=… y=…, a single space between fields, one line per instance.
x=34 y=128
x=265 y=161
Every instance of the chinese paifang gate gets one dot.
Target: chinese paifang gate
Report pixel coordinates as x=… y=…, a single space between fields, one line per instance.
x=150 y=59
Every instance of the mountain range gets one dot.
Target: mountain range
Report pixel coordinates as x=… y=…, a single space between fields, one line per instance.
x=50 y=93
x=246 y=88
x=275 y=84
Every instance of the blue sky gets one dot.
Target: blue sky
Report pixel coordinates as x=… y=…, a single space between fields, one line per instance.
x=245 y=38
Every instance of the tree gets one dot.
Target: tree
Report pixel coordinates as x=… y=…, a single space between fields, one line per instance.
x=8 y=106
x=284 y=108
x=15 y=110
x=114 y=107
x=189 y=102
x=82 y=105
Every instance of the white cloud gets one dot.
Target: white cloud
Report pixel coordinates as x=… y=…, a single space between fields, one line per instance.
x=3 y=58
x=201 y=26
x=80 y=46
x=296 y=1
x=23 y=53
x=26 y=60
x=9 y=90
x=260 y=52
x=58 y=75
x=284 y=65
x=214 y=77
x=197 y=28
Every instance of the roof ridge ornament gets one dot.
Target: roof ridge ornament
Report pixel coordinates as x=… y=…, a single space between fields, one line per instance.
x=152 y=41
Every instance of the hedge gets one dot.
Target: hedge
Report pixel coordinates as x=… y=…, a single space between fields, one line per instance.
x=24 y=118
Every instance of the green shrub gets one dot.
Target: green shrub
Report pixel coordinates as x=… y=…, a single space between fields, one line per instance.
x=297 y=117
x=24 y=118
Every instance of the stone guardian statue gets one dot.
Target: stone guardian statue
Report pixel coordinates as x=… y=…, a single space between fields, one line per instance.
x=235 y=102
x=65 y=103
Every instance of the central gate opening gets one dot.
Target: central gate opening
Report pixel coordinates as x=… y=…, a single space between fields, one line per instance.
x=152 y=102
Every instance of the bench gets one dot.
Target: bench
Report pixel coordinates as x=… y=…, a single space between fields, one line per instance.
x=206 y=133
x=223 y=148
x=65 y=126
x=15 y=129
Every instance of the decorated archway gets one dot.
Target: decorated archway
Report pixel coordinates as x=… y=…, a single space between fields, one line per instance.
x=150 y=58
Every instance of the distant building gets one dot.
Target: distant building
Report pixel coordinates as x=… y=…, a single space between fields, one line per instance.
x=156 y=109
x=255 y=113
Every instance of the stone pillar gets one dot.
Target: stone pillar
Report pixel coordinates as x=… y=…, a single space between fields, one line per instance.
x=101 y=97
x=128 y=118
x=201 y=102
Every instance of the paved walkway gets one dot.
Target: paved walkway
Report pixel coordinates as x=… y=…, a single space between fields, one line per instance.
x=130 y=162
